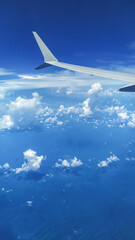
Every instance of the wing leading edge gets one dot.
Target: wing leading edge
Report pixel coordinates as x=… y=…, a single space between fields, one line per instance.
x=50 y=60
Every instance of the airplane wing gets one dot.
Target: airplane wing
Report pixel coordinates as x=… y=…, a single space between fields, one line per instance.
x=50 y=60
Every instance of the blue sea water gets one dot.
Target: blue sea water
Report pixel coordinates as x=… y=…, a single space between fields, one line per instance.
x=87 y=202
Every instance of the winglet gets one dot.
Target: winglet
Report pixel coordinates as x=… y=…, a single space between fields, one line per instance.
x=48 y=56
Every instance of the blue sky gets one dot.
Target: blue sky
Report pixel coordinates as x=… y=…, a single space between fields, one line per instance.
x=67 y=155
x=80 y=32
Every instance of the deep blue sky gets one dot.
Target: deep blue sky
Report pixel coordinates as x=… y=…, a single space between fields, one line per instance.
x=76 y=31
x=95 y=124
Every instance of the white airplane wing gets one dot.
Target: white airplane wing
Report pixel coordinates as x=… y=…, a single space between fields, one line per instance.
x=49 y=60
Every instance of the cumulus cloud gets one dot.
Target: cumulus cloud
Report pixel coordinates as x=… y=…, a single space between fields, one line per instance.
x=67 y=164
x=51 y=120
x=123 y=116
x=27 y=104
x=89 y=104
x=21 y=112
x=95 y=88
x=131 y=123
x=115 y=109
x=32 y=163
x=6 y=122
x=67 y=110
x=120 y=111
x=76 y=162
x=6 y=166
x=109 y=160
x=86 y=108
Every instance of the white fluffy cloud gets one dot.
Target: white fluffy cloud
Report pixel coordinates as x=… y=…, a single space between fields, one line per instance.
x=67 y=110
x=32 y=163
x=21 y=112
x=110 y=159
x=123 y=115
x=76 y=162
x=6 y=166
x=51 y=120
x=25 y=104
x=95 y=88
x=86 y=108
x=115 y=109
x=131 y=123
x=71 y=163
x=6 y=122
x=89 y=104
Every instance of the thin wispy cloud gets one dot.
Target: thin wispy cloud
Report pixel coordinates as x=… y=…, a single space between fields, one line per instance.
x=4 y=71
x=58 y=80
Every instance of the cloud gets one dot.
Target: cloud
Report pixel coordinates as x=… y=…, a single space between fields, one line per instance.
x=129 y=159
x=76 y=162
x=6 y=122
x=58 y=79
x=131 y=123
x=88 y=105
x=115 y=109
x=67 y=164
x=123 y=115
x=95 y=88
x=22 y=103
x=21 y=113
x=67 y=110
x=51 y=120
x=2 y=94
x=64 y=163
x=4 y=71
x=29 y=203
x=120 y=111
x=6 y=166
x=69 y=91
x=109 y=160
x=32 y=163
x=86 y=108
x=26 y=113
